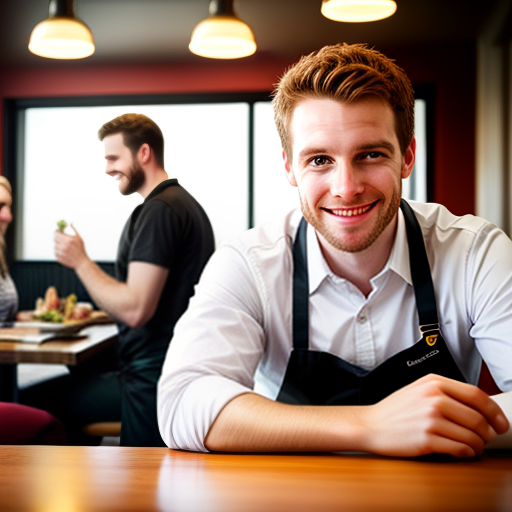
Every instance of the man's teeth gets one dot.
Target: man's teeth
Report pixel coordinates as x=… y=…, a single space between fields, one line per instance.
x=352 y=212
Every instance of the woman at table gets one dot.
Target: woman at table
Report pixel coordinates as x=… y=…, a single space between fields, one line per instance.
x=8 y=293
x=19 y=424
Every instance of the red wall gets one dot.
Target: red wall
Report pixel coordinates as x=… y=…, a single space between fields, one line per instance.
x=451 y=70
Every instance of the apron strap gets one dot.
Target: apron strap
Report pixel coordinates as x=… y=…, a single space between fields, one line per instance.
x=300 y=313
x=420 y=271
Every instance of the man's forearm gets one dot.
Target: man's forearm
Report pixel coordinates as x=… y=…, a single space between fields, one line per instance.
x=134 y=302
x=251 y=422
x=107 y=293
x=432 y=415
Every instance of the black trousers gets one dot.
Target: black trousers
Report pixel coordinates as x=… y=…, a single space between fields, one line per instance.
x=97 y=391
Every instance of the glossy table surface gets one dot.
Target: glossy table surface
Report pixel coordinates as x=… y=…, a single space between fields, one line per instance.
x=70 y=351
x=83 y=479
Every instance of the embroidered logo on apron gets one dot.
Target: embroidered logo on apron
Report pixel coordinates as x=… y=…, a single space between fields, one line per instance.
x=431 y=340
x=424 y=358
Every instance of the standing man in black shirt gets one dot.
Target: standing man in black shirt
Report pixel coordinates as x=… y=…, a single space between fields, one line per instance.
x=163 y=248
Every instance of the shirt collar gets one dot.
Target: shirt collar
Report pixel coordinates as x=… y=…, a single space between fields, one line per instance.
x=318 y=269
x=160 y=187
x=398 y=261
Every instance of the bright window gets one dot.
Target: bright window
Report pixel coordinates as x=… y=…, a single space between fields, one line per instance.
x=64 y=178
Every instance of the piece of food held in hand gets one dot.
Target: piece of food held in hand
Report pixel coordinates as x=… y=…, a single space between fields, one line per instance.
x=61 y=225
x=61 y=310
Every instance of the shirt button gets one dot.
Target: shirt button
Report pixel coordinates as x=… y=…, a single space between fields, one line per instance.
x=362 y=317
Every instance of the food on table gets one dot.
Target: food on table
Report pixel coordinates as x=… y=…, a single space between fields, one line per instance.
x=61 y=225
x=61 y=310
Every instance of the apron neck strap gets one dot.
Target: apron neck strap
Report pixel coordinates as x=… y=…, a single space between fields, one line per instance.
x=300 y=313
x=420 y=271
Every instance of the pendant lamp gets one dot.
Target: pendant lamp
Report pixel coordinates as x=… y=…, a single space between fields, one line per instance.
x=61 y=36
x=357 y=11
x=222 y=35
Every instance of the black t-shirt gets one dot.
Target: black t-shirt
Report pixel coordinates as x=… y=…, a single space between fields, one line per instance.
x=169 y=229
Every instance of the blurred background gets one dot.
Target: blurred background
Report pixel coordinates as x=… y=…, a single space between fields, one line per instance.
x=456 y=52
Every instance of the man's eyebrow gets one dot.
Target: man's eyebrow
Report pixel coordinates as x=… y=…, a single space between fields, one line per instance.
x=377 y=144
x=312 y=151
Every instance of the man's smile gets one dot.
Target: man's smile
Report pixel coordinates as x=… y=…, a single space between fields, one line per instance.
x=116 y=175
x=350 y=212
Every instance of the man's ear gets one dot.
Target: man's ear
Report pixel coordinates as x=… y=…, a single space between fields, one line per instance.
x=144 y=154
x=289 y=171
x=409 y=159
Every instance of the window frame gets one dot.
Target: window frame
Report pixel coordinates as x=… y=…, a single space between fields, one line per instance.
x=13 y=134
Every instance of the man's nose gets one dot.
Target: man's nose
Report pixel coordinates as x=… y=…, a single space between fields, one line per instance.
x=346 y=181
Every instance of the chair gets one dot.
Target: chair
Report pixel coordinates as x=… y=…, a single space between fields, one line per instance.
x=103 y=429
x=21 y=424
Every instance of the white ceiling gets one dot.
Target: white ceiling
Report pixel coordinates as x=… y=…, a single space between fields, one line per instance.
x=159 y=30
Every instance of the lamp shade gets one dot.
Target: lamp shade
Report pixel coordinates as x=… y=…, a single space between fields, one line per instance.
x=61 y=36
x=357 y=11
x=222 y=37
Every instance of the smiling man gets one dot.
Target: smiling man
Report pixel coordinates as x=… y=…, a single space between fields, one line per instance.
x=360 y=321
x=162 y=251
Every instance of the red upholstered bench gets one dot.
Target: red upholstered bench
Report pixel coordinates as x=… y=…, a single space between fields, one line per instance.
x=20 y=424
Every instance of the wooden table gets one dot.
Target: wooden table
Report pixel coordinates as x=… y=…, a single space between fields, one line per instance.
x=63 y=351
x=104 y=478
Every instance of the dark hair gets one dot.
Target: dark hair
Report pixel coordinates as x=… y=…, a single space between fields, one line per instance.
x=137 y=129
x=346 y=73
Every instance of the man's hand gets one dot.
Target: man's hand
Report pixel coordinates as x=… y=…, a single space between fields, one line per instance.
x=70 y=249
x=433 y=415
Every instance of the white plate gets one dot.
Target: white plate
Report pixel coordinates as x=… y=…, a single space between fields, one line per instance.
x=53 y=327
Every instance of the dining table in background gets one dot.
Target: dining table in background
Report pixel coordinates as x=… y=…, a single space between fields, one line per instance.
x=104 y=478
x=68 y=351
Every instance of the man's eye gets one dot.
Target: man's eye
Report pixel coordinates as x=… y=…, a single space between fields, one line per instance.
x=320 y=160
x=371 y=155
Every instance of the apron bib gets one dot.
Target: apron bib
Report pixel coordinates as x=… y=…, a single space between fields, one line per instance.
x=320 y=378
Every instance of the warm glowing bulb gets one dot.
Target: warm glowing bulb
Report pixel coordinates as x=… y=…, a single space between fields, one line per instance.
x=222 y=37
x=61 y=38
x=357 y=11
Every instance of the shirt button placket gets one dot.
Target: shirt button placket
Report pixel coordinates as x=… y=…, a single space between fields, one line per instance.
x=365 y=346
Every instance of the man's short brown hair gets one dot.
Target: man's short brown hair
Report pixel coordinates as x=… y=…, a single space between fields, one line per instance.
x=345 y=73
x=136 y=129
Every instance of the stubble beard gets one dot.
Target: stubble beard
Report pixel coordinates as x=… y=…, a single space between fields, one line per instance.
x=135 y=178
x=338 y=242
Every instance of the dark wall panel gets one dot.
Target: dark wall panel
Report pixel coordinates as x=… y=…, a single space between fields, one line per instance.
x=32 y=278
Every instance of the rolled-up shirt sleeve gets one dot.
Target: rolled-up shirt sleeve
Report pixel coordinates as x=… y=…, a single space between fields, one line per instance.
x=216 y=348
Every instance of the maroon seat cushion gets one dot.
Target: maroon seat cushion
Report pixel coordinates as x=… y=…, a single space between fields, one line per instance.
x=20 y=424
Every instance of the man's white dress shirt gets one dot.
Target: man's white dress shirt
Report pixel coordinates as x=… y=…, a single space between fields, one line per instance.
x=236 y=336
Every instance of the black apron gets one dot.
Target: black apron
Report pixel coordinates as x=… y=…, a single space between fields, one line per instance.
x=320 y=378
